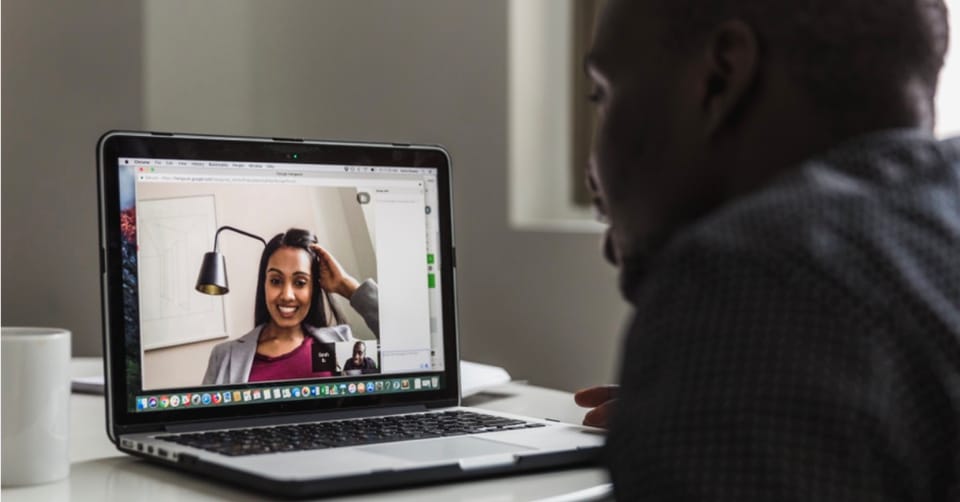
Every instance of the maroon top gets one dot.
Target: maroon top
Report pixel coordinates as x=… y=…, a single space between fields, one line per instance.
x=294 y=364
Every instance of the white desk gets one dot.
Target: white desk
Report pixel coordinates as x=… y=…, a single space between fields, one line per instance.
x=98 y=471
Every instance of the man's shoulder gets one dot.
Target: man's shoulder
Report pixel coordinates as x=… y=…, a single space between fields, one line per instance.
x=865 y=201
x=821 y=311
x=840 y=230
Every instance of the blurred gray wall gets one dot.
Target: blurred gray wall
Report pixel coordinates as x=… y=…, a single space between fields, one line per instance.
x=541 y=304
x=71 y=70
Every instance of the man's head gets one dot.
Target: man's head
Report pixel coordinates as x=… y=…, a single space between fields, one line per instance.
x=699 y=102
x=359 y=352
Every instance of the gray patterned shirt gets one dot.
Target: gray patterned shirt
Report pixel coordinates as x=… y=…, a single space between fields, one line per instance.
x=803 y=343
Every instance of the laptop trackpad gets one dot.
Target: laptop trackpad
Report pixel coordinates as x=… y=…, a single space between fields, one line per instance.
x=445 y=449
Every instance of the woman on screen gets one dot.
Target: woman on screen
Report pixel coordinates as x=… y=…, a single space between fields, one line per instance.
x=296 y=323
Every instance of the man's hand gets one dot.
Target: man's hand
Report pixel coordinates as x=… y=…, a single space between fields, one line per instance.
x=602 y=398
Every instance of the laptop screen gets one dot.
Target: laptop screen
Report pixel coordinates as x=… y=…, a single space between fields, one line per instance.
x=249 y=281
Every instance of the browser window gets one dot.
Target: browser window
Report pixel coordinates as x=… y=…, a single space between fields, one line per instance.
x=379 y=225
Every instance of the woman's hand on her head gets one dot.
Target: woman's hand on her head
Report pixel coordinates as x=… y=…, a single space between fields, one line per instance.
x=603 y=399
x=332 y=277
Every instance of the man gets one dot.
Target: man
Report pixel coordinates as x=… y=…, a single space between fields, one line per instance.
x=788 y=231
x=360 y=363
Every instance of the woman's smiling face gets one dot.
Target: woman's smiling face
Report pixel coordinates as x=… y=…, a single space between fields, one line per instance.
x=288 y=286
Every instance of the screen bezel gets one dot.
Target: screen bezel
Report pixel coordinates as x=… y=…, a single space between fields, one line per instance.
x=118 y=144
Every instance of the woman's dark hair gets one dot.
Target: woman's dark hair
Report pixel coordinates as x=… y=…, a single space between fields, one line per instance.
x=317 y=316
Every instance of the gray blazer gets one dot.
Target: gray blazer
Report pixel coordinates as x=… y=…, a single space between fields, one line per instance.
x=230 y=361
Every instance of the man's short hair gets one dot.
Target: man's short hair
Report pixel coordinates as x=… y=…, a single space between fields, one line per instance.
x=843 y=52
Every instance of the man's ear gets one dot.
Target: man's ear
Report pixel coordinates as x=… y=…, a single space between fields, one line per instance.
x=731 y=60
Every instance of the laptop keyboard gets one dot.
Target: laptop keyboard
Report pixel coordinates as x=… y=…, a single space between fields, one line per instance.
x=354 y=432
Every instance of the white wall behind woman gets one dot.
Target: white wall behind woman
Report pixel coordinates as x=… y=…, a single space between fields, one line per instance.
x=422 y=71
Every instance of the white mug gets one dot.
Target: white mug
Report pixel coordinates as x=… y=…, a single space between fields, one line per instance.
x=35 y=405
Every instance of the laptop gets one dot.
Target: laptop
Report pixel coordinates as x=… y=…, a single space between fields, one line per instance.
x=280 y=314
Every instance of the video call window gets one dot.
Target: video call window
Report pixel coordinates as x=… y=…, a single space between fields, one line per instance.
x=374 y=224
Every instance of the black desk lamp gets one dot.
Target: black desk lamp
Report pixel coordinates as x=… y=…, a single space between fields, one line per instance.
x=213 y=272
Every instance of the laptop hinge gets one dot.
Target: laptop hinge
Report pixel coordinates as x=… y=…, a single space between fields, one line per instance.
x=446 y=403
x=290 y=419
